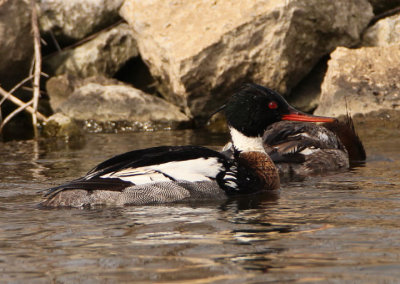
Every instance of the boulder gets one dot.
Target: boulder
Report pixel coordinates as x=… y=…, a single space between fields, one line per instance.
x=361 y=80
x=384 y=32
x=199 y=51
x=59 y=88
x=73 y=20
x=103 y=100
x=16 y=47
x=102 y=55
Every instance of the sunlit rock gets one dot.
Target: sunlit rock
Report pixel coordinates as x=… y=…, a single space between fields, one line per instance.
x=201 y=50
x=361 y=80
x=16 y=41
x=384 y=32
x=102 y=55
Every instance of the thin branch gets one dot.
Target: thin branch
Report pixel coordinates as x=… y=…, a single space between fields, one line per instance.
x=14 y=113
x=20 y=103
x=38 y=65
x=16 y=87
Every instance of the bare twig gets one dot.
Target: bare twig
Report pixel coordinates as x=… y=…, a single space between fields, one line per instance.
x=14 y=113
x=38 y=65
x=16 y=87
x=20 y=103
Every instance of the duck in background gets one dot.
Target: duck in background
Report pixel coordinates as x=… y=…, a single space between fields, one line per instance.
x=175 y=173
x=300 y=149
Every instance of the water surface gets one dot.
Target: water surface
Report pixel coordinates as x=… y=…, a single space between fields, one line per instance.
x=344 y=227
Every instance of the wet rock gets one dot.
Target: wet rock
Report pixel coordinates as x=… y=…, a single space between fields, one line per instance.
x=75 y=19
x=381 y=6
x=201 y=51
x=102 y=55
x=112 y=102
x=60 y=125
x=384 y=32
x=16 y=41
x=361 y=80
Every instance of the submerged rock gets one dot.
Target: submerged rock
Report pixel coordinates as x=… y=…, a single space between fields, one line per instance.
x=16 y=41
x=103 y=55
x=201 y=51
x=73 y=20
x=384 y=32
x=361 y=80
x=60 y=125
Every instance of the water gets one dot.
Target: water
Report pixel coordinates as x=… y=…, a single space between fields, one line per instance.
x=338 y=228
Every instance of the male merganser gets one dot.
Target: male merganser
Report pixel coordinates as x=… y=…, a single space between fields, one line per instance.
x=299 y=149
x=173 y=173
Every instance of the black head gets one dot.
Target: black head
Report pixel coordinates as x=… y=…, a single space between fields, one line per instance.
x=253 y=108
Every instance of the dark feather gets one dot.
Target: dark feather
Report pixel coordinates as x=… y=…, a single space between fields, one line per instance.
x=113 y=184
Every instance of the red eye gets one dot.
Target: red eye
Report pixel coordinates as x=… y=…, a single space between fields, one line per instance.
x=273 y=105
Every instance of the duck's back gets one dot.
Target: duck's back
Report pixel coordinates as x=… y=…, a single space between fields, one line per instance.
x=301 y=149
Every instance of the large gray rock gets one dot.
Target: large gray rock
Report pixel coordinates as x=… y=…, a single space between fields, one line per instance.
x=200 y=50
x=361 y=80
x=102 y=55
x=102 y=103
x=75 y=19
x=384 y=32
x=16 y=41
x=60 y=88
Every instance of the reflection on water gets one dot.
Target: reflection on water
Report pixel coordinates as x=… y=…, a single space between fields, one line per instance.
x=342 y=227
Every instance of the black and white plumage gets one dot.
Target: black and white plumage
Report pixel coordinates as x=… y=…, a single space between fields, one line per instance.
x=299 y=149
x=174 y=173
x=154 y=175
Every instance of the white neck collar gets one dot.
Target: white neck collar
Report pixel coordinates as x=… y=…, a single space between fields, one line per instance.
x=243 y=143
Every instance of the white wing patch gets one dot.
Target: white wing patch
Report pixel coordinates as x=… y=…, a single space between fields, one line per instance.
x=200 y=169
x=309 y=151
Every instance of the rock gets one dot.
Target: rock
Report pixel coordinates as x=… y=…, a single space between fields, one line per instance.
x=200 y=51
x=60 y=125
x=381 y=6
x=73 y=20
x=102 y=55
x=16 y=48
x=384 y=32
x=107 y=103
x=59 y=88
x=365 y=79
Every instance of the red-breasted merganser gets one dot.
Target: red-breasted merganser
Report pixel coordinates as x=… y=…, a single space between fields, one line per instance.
x=173 y=173
x=300 y=149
